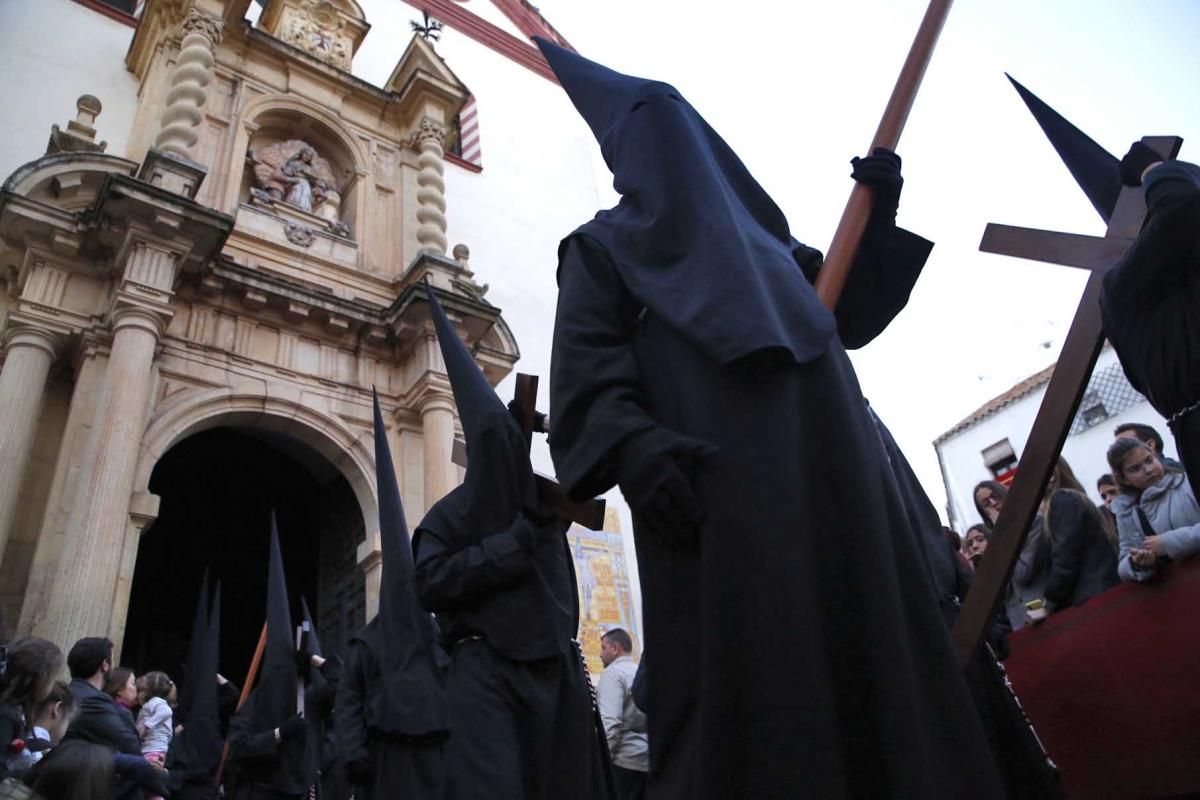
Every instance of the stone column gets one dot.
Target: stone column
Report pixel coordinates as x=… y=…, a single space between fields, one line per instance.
x=183 y=110
x=431 y=194
x=84 y=595
x=437 y=431
x=31 y=351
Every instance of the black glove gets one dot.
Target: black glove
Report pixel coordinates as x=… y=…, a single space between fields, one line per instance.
x=293 y=728
x=1135 y=162
x=539 y=418
x=657 y=481
x=881 y=171
x=360 y=772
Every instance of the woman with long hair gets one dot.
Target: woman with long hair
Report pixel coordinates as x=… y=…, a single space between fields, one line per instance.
x=1032 y=569
x=1083 y=545
x=1157 y=514
x=33 y=665
x=975 y=543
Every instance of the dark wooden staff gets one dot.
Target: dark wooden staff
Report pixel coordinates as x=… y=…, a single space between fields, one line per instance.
x=255 y=663
x=840 y=255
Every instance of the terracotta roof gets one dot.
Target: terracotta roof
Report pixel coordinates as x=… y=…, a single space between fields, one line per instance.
x=1025 y=387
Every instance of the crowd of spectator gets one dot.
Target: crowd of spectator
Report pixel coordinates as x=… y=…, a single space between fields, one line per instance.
x=1074 y=549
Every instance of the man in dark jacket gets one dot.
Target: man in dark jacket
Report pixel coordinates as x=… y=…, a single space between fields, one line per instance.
x=99 y=720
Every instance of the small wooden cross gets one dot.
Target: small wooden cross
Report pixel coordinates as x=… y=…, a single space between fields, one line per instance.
x=1063 y=395
x=589 y=513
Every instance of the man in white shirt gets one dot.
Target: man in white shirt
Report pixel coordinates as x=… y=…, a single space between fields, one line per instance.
x=624 y=722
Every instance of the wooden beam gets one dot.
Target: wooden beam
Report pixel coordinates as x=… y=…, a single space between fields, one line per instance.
x=1066 y=249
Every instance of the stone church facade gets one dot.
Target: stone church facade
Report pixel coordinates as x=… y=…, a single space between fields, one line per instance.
x=251 y=267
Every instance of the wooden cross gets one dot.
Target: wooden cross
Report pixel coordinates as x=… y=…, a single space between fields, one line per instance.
x=589 y=513
x=1063 y=395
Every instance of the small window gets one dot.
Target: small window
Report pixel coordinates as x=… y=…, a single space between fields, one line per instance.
x=127 y=6
x=999 y=457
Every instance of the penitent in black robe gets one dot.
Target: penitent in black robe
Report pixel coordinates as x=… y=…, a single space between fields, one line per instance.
x=1151 y=306
x=402 y=764
x=798 y=650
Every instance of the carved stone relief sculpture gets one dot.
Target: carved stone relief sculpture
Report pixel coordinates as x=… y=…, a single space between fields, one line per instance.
x=293 y=172
x=315 y=27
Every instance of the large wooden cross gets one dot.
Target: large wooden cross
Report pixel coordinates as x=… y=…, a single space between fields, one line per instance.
x=1063 y=395
x=588 y=513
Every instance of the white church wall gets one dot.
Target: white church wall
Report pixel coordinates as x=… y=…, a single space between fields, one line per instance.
x=962 y=454
x=77 y=51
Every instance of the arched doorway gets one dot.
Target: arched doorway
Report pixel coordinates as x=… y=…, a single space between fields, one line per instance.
x=218 y=488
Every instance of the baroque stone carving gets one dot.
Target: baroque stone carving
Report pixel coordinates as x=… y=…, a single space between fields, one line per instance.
x=315 y=27
x=298 y=234
x=429 y=130
x=293 y=172
x=206 y=25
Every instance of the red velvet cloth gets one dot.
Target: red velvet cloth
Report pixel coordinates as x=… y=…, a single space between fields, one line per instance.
x=1113 y=688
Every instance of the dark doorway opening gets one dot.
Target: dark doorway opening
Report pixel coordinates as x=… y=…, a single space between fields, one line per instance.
x=218 y=489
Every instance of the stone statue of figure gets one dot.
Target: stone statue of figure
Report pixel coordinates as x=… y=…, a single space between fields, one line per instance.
x=302 y=179
x=293 y=172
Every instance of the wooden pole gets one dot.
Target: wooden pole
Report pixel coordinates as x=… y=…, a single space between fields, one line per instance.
x=251 y=674
x=838 y=259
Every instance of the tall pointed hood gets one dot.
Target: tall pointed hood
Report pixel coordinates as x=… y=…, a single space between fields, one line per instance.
x=197 y=749
x=695 y=238
x=499 y=480
x=316 y=679
x=599 y=94
x=1095 y=169
x=196 y=647
x=274 y=697
x=412 y=685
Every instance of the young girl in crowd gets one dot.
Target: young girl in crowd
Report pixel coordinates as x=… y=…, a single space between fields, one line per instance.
x=1157 y=514
x=28 y=678
x=154 y=723
x=1083 y=545
x=51 y=720
x=974 y=544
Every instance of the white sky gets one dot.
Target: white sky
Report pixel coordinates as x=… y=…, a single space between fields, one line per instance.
x=797 y=88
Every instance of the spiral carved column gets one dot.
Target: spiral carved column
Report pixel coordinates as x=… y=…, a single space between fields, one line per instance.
x=184 y=108
x=431 y=192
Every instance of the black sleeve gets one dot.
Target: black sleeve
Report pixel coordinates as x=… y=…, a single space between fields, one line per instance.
x=1167 y=250
x=1067 y=523
x=246 y=744
x=457 y=579
x=885 y=270
x=350 y=719
x=595 y=387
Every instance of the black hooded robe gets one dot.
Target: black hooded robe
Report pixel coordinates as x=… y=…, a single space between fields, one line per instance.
x=798 y=650
x=1027 y=772
x=521 y=723
x=408 y=766
x=1151 y=306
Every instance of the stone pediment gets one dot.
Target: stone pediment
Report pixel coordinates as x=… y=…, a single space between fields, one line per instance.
x=421 y=65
